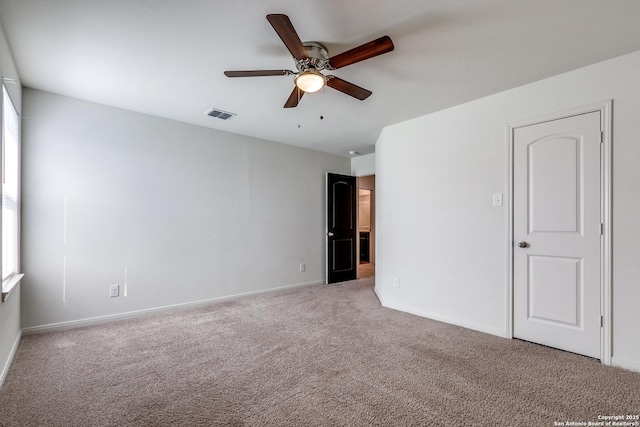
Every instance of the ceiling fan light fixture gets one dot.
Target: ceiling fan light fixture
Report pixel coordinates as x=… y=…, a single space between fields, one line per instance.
x=311 y=58
x=310 y=81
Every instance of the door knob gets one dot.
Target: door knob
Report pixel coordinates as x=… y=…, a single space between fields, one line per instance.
x=523 y=244
x=330 y=234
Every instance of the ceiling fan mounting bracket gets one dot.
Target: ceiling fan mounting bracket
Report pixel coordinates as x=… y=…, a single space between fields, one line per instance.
x=317 y=60
x=316 y=50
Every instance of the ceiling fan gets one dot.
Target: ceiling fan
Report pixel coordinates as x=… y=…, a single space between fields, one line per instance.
x=311 y=59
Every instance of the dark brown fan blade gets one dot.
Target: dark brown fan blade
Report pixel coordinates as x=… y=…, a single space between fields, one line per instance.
x=348 y=88
x=362 y=52
x=294 y=98
x=283 y=26
x=258 y=73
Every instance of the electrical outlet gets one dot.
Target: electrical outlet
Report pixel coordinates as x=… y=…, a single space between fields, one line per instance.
x=114 y=291
x=497 y=199
x=302 y=268
x=396 y=282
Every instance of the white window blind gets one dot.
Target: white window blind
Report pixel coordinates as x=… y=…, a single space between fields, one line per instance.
x=10 y=186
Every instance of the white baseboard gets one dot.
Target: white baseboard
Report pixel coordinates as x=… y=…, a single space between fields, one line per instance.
x=476 y=327
x=375 y=291
x=9 y=361
x=59 y=326
x=631 y=365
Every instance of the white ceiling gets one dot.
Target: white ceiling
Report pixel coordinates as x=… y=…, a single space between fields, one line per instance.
x=167 y=57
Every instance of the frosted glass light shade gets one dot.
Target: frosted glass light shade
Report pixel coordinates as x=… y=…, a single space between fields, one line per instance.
x=310 y=81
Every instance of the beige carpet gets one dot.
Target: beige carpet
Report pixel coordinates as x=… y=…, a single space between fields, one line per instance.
x=318 y=356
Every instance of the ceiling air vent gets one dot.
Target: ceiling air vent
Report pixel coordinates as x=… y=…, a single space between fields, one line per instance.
x=222 y=115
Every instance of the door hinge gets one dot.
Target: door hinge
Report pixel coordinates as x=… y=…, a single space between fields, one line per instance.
x=601 y=137
x=601 y=228
x=601 y=321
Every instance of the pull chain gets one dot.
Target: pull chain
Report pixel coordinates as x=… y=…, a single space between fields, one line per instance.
x=321 y=102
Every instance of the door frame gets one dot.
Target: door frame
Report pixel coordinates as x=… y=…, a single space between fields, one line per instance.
x=372 y=222
x=605 y=109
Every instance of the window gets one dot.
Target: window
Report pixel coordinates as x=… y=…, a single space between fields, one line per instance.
x=10 y=193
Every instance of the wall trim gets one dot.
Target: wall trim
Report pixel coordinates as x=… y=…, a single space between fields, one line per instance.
x=60 y=326
x=377 y=292
x=9 y=361
x=468 y=325
x=631 y=365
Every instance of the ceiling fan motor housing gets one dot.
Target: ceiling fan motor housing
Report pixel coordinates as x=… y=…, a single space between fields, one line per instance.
x=317 y=53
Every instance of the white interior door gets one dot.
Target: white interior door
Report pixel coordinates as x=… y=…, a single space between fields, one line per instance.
x=557 y=233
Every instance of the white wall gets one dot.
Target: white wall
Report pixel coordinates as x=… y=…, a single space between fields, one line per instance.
x=10 y=309
x=191 y=213
x=363 y=165
x=438 y=231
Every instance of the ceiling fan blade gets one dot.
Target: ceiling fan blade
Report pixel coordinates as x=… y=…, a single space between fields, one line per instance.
x=362 y=52
x=348 y=88
x=258 y=73
x=283 y=26
x=294 y=98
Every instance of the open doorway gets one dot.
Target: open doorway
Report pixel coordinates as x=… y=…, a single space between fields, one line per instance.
x=366 y=226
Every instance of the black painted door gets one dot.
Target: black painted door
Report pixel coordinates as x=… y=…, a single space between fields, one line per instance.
x=341 y=228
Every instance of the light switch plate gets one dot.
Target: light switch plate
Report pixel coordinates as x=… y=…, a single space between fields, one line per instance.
x=497 y=199
x=114 y=291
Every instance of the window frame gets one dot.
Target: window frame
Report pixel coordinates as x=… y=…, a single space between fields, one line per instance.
x=9 y=283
